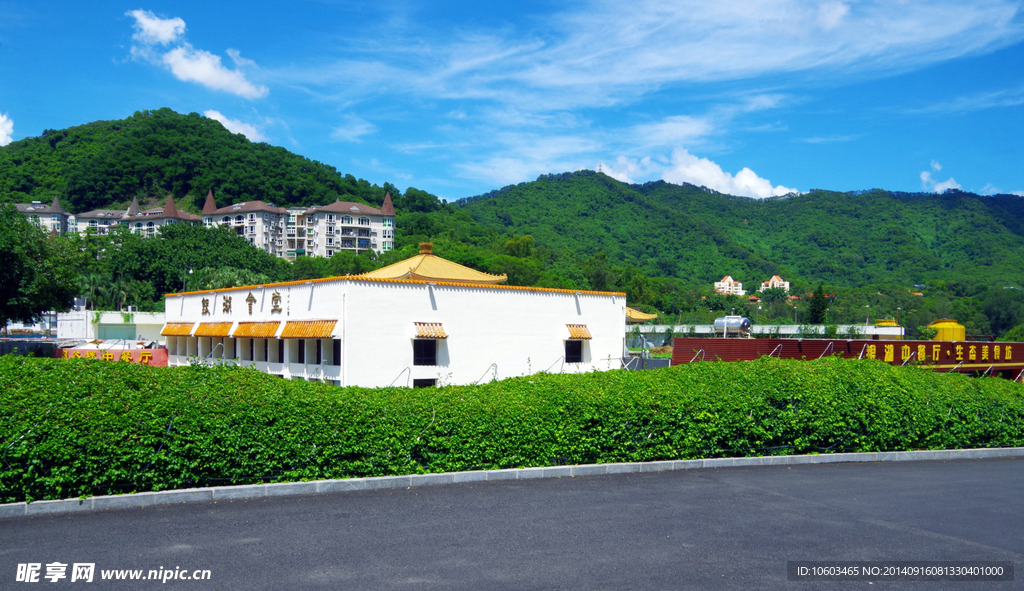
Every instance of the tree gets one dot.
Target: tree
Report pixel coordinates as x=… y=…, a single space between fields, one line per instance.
x=39 y=272
x=819 y=306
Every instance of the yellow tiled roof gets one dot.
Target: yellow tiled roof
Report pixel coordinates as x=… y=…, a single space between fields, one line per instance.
x=578 y=331
x=213 y=329
x=636 y=316
x=429 y=267
x=177 y=329
x=430 y=330
x=308 y=329
x=256 y=330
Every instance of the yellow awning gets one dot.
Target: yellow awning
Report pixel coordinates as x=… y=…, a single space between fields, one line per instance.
x=578 y=331
x=430 y=330
x=177 y=329
x=213 y=329
x=308 y=329
x=256 y=330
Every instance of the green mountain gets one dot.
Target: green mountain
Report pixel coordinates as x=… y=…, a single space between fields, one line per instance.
x=697 y=235
x=161 y=152
x=662 y=244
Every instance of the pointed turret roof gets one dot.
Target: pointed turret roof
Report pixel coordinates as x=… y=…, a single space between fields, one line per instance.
x=170 y=211
x=387 y=208
x=210 y=206
x=427 y=266
x=133 y=209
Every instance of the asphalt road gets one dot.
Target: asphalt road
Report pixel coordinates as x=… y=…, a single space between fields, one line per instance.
x=728 y=528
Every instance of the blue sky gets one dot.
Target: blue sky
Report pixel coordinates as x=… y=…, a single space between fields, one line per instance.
x=751 y=98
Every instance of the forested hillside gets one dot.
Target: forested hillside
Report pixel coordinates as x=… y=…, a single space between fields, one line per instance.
x=157 y=153
x=698 y=236
x=878 y=254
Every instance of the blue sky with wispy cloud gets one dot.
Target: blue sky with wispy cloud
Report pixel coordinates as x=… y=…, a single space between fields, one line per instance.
x=754 y=98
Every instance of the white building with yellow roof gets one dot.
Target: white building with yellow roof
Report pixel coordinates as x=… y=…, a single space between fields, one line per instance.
x=424 y=321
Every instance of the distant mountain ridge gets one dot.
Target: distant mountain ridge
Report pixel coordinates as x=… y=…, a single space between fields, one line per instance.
x=690 y=235
x=698 y=235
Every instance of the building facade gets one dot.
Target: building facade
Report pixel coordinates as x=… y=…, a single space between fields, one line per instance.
x=298 y=231
x=774 y=282
x=51 y=218
x=413 y=330
x=284 y=232
x=729 y=286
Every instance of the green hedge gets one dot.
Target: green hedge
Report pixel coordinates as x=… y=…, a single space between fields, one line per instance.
x=75 y=427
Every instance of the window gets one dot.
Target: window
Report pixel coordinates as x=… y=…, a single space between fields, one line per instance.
x=301 y=350
x=252 y=217
x=389 y=222
x=574 y=351
x=424 y=382
x=346 y=219
x=336 y=351
x=330 y=218
x=424 y=352
x=364 y=221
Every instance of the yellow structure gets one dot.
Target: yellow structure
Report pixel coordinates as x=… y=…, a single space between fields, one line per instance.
x=634 y=316
x=948 y=330
x=426 y=266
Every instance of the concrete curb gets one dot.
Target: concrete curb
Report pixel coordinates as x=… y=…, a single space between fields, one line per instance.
x=249 y=491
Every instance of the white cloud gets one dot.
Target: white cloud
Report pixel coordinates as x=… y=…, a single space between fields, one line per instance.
x=153 y=30
x=934 y=185
x=353 y=129
x=235 y=126
x=672 y=131
x=196 y=65
x=687 y=168
x=831 y=15
x=684 y=167
x=6 y=129
x=187 y=63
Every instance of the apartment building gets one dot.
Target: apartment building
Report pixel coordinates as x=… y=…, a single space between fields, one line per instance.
x=318 y=231
x=284 y=232
x=148 y=222
x=52 y=218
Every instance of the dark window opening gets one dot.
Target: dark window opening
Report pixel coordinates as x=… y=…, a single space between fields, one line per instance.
x=252 y=349
x=574 y=351
x=280 y=350
x=424 y=352
x=337 y=352
x=301 y=343
x=424 y=383
x=319 y=352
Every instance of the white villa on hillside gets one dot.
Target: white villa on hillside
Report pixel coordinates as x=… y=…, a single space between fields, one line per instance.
x=774 y=282
x=424 y=321
x=729 y=286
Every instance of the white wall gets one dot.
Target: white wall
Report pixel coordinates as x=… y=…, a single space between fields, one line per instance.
x=519 y=331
